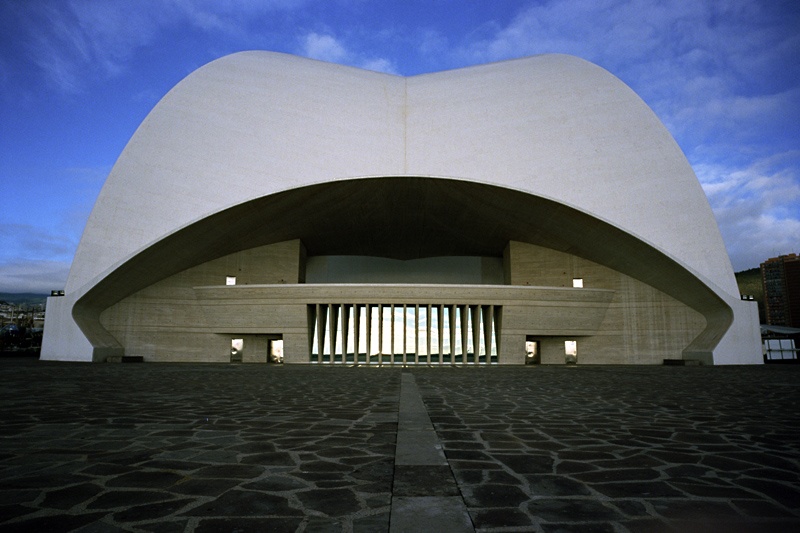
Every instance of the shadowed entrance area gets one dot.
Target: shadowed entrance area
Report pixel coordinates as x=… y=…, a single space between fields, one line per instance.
x=209 y=447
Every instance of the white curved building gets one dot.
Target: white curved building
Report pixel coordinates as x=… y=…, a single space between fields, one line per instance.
x=451 y=218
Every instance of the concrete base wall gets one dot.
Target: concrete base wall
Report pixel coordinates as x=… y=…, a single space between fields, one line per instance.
x=642 y=325
x=192 y=316
x=63 y=340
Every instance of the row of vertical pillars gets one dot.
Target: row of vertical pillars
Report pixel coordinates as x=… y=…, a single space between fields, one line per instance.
x=404 y=334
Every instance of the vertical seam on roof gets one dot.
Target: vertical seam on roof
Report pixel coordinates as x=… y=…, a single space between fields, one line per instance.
x=405 y=125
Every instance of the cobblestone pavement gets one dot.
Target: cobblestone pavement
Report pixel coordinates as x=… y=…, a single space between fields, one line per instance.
x=196 y=448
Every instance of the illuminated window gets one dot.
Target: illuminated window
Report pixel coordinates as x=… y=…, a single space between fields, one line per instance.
x=571 y=352
x=276 y=351
x=237 y=347
x=571 y=348
x=577 y=283
x=230 y=280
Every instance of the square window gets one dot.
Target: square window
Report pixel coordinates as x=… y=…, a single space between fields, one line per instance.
x=577 y=283
x=230 y=280
x=571 y=348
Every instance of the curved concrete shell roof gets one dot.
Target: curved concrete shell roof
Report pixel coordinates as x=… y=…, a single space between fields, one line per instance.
x=549 y=149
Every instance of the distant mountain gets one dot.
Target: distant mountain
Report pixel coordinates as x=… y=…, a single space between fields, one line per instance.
x=23 y=298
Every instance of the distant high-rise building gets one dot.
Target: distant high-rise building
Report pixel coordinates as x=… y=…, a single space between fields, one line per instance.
x=781 y=277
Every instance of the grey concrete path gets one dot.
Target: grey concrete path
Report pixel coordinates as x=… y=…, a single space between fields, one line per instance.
x=195 y=448
x=425 y=496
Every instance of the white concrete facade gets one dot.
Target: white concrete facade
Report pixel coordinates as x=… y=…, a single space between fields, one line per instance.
x=252 y=149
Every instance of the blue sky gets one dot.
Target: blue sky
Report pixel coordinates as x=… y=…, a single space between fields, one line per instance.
x=79 y=76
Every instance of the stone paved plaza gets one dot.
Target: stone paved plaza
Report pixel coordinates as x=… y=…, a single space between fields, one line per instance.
x=197 y=448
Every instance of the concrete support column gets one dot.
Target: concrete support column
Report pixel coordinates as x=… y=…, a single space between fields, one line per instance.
x=428 y=333
x=464 y=315
x=392 y=329
x=405 y=334
x=346 y=313
x=476 y=332
x=440 y=323
x=333 y=322
x=380 y=335
x=498 y=327
x=416 y=334
x=356 y=331
x=322 y=320
x=451 y=315
x=488 y=326
x=368 y=325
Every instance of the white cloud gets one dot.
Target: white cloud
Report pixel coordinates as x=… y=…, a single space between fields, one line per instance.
x=75 y=41
x=723 y=77
x=324 y=48
x=756 y=207
x=37 y=276
x=380 y=65
x=328 y=48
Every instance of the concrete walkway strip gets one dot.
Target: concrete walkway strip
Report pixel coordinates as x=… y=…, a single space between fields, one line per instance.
x=418 y=450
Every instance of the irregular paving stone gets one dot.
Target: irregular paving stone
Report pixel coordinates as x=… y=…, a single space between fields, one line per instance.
x=276 y=484
x=760 y=508
x=230 y=471
x=318 y=524
x=325 y=466
x=43 y=480
x=52 y=523
x=571 y=467
x=620 y=417
x=467 y=455
x=637 y=489
x=166 y=464
x=460 y=445
x=559 y=510
x=578 y=528
x=765 y=459
x=771 y=473
x=69 y=497
x=203 y=487
x=376 y=471
x=648 y=525
x=689 y=471
x=493 y=496
x=709 y=512
x=102 y=469
x=527 y=464
x=622 y=474
x=10 y=512
x=781 y=492
x=475 y=465
x=248 y=525
x=551 y=485
x=340 y=452
x=172 y=526
x=151 y=511
x=126 y=498
x=631 y=507
x=332 y=502
x=468 y=477
x=711 y=491
x=269 y=459
x=491 y=518
x=501 y=476
x=145 y=480
x=245 y=503
x=638 y=461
